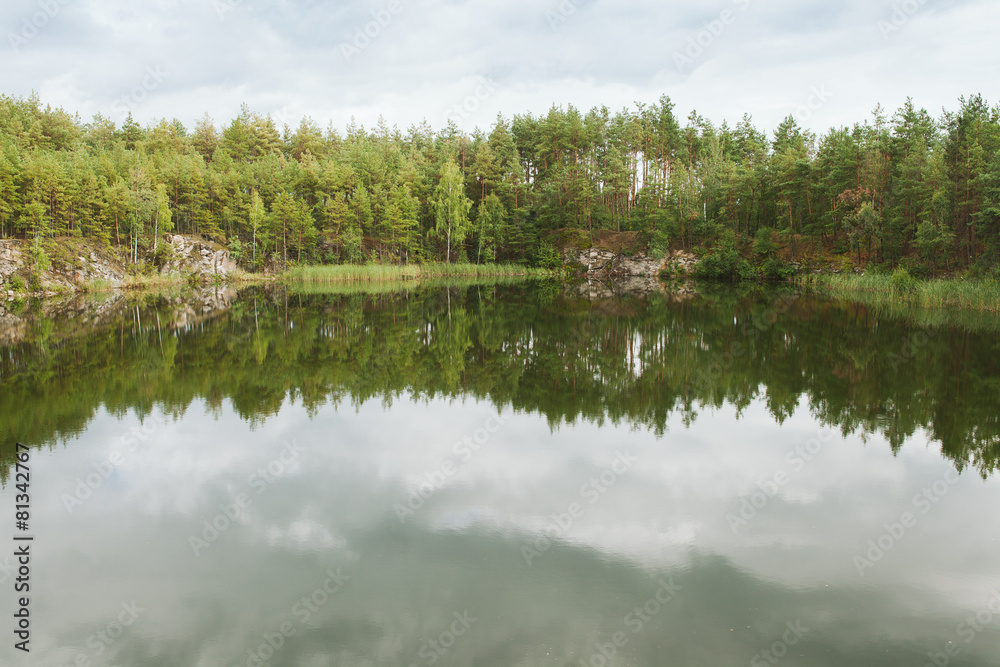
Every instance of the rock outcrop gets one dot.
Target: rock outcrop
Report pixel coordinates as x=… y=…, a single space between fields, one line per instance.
x=11 y=259
x=192 y=254
x=605 y=263
x=76 y=262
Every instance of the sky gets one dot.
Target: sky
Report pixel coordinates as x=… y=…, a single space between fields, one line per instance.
x=827 y=63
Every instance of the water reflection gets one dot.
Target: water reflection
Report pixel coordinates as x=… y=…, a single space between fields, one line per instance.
x=568 y=488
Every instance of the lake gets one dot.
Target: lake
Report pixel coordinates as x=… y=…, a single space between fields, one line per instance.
x=509 y=474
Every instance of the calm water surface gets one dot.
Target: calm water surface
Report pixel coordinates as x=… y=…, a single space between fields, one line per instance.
x=506 y=475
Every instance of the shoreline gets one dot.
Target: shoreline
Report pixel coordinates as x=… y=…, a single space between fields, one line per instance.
x=902 y=290
x=313 y=274
x=880 y=290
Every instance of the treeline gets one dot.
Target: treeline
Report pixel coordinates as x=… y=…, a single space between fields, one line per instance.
x=908 y=188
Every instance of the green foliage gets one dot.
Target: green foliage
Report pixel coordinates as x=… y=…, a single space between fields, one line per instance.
x=933 y=242
x=388 y=273
x=546 y=256
x=775 y=270
x=902 y=283
x=763 y=245
x=38 y=259
x=17 y=283
x=881 y=191
x=724 y=263
x=491 y=227
x=451 y=209
x=236 y=250
x=163 y=255
x=665 y=232
x=880 y=290
x=917 y=269
x=659 y=246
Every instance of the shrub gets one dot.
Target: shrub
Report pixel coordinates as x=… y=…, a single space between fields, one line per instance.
x=725 y=263
x=776 y=269
x=917 y=270
x=39 y=259
x=881 y=269
x=17 y=283
x=547 y=257
x=902 y=283
x=352 y=251
x=164 y=254
x=236 y=250
x=763 y=245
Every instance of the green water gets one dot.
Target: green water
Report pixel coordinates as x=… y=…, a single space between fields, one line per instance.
x=505 y=475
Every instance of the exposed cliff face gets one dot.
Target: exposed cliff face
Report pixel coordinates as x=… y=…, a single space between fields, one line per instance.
x=75 y=262
x=618 y=256
x=192 y=254
x=605 y=263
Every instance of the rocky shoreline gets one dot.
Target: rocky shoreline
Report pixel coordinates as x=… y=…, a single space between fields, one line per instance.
x=77 y=264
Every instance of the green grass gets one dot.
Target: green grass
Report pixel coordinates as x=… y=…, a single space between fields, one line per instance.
x=891 y=290
x=158 y=281
x=397 y=286
x=97 y=285
x=376 y=273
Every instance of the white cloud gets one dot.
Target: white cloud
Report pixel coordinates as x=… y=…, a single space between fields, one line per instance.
x=275 y=55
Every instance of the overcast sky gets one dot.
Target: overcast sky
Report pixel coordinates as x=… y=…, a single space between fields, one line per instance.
x=468 y=60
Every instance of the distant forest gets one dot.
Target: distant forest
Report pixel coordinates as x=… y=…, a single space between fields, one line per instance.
x=906 y=188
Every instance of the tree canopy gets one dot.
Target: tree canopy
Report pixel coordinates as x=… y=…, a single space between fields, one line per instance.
x=892 y=189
